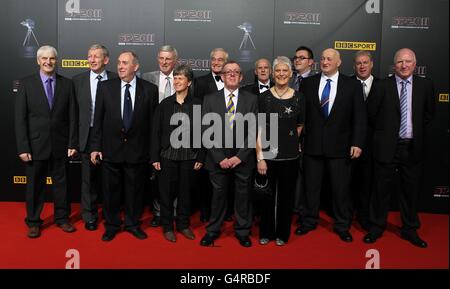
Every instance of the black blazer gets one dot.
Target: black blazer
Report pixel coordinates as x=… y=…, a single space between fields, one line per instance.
x=109 y=136
x=368 y=151
x=82 y=84
x=247 y=103
x=204 y=85
x=384 y=117
x=39 y=130
x=162 y=129
x=345 y=125
x=254 y=87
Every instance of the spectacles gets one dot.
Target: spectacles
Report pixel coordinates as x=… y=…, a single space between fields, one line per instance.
x=300 y=58
x=230 y=72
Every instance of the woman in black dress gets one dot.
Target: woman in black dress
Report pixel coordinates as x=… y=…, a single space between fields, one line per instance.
x=280 y=161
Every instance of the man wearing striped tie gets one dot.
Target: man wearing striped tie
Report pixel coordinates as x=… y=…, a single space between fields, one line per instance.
x=235 y=162
x=398 y=113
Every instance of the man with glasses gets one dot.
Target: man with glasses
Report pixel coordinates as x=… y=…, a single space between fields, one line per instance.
x=303 y=61
x=230 y=163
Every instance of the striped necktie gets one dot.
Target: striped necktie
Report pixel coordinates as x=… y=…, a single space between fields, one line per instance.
x=325 y=99
x=403 y=109
x=230 y=110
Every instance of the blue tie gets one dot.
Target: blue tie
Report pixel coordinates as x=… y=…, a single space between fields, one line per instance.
x=127 y=108
x=403 y=109
x=325 y=99
x=49 y=89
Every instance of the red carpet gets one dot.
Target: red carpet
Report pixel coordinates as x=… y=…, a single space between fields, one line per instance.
x=319 y=249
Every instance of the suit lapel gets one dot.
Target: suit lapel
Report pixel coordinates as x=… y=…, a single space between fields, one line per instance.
x=137 y=101
x=316 y=98
x=339 y=92
x=42 y=96
x=393 y=87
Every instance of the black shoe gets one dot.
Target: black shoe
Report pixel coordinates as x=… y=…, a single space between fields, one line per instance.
x=207 y=240
x=109 y=235
x=156 y=221
x=344 y=235
x=302 y=230
x=244 y=241
x=414 y=239
x=91 y=225
x=137 y=232
x=371 y=237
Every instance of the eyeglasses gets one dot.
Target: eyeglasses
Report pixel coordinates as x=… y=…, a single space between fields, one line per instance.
x=230 y=72
x=300 y=58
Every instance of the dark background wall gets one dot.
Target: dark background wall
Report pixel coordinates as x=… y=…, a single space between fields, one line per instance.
x=194 y=27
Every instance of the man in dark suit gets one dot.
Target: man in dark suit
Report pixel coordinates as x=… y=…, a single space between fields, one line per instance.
x=399 y=113
x=263 y=81
x=362 y=168
x=205 y=85
x=85 y=91
x=226 y=159
x=335 y=128
x=121 y=140
x=46 y=135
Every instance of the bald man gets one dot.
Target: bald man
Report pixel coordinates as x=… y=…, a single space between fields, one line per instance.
x=335 y=129
x=398 y=144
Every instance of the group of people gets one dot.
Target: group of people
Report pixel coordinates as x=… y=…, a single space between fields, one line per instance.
x=358 y=131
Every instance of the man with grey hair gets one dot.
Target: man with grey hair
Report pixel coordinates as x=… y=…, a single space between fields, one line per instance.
x=47 y=136
x=262 y=74
x=399 y=114
x=335 y=126
x=121 y=141
x=163 y=78
x=85 y=91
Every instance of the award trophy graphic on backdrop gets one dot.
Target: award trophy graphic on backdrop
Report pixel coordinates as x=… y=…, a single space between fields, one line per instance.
x=29 y=47
x=247 y=47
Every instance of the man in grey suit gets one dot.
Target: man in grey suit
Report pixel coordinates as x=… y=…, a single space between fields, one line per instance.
x=85 y=91
x=163 y=78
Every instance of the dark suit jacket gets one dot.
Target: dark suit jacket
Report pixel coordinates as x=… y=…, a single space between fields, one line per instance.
x=346 y=124
x=254 y=87
x=204 y=85
x=162 y=129
x=39 y=130
x=82 y=86
x=247 y=103
x=109 y=136
x=384 y=117
x=367 y=153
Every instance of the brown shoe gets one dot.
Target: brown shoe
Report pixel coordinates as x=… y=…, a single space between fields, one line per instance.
x=67 y=227
x=170 y=236
x=188 y=233
x=34 y=232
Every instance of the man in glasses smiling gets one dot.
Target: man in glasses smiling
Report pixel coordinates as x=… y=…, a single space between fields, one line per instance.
x=303 y=61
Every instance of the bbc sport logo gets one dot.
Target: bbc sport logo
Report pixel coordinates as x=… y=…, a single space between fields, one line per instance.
x=22 y=180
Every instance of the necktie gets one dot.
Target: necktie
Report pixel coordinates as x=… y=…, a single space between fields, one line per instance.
x=218 y=78
x=230 y=110
x=403 y=109
x=324 y=100
x=168 y=88
x=364 y=86
x=299 y=81
x=261 y=86
x=99 y=77
x=127 y=108
x=49 y=89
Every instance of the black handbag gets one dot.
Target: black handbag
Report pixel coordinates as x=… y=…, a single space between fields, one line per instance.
x=261 y=187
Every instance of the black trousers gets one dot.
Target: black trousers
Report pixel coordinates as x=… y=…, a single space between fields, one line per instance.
x=90 y=186
x=37 y=172
x=361 y=187
x=276 y=212
x=175 y=182
x=385 y=174
x=339 y=171
x=220 y=180
x=129 y=178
